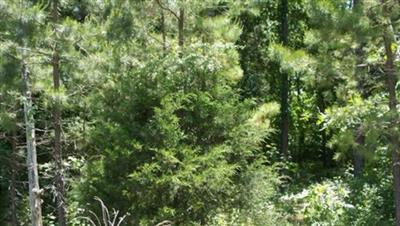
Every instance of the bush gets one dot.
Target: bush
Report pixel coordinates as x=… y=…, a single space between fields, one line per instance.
x=322 y=204
x=258 y=207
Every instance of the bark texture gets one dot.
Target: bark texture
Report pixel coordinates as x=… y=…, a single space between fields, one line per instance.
x=57 y=149
x=31 y=160
x=284 y=91
x=13 y=187
x=358 y=157
x=391 y=76
x=181 y=23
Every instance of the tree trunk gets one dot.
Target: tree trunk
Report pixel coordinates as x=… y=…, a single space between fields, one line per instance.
x=358 y=157
x=326 y=157
x=181 y=42
x=163 y=32
x=13 y=187
x=284 y=33
x=391 y=74
x=33 y=177
x=301 y=135
x=57 y=151
x=181 y=23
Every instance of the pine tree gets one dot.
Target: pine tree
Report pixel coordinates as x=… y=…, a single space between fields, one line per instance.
x=16 y=45
x=391 y=76
x=190 y=141
x=34 y=189
x=284 y=38
x=9 y=120
x=57 y=120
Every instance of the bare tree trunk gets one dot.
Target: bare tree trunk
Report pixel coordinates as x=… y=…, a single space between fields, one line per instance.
x=394 y=146
x=391 y=74
x=358 y=157
x=284 y=36
x=326 y=157
x=57 y=149
x=301 y=136
x=33 y=177
x=181 y=42
x=163 y=32
x=13 y=188
x=181 y=24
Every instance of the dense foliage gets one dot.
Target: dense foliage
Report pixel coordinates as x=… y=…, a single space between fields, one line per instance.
x=200 y=112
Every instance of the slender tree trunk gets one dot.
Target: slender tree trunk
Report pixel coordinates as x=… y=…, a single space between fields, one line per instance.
x=301 y=136
x=391 y=74
x=13 y=187
x=33 y=177
x=326 y=157
x=358 y=157
x=163 y=32
x=181 y=24
x=181 y=42
x=284 y=35
x=394 y=146
x=57 y=149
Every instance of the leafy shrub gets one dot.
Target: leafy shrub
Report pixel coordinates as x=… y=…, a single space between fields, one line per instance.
x=259 y=195
x=369 y=205
x=322 y=204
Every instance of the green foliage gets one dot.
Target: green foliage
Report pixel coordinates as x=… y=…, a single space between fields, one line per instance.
x=369 y=204
x=189 y=141
x=185 y=149
x=258 y=197
x=188 y=132
x=321 y=204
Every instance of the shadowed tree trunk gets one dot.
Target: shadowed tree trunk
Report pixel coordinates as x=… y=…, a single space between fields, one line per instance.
x=57 y=149
x=181 y=23
x=163 y=32
x=391 y=76
x=13 y=187
x=326 y=156
x=301 y=135
x=181 y=42
x=358 y=160
x=284 y=90
x=358 y=157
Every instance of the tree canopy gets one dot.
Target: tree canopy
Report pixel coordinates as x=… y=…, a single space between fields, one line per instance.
x=199 y=112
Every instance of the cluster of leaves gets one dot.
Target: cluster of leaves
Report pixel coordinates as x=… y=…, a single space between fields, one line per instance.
x=188 y=133
x=321 y=204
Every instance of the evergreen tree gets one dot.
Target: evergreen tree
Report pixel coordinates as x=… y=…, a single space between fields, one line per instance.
x=180 y=112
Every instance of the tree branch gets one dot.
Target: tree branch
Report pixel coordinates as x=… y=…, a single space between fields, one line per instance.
x=167 y=9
